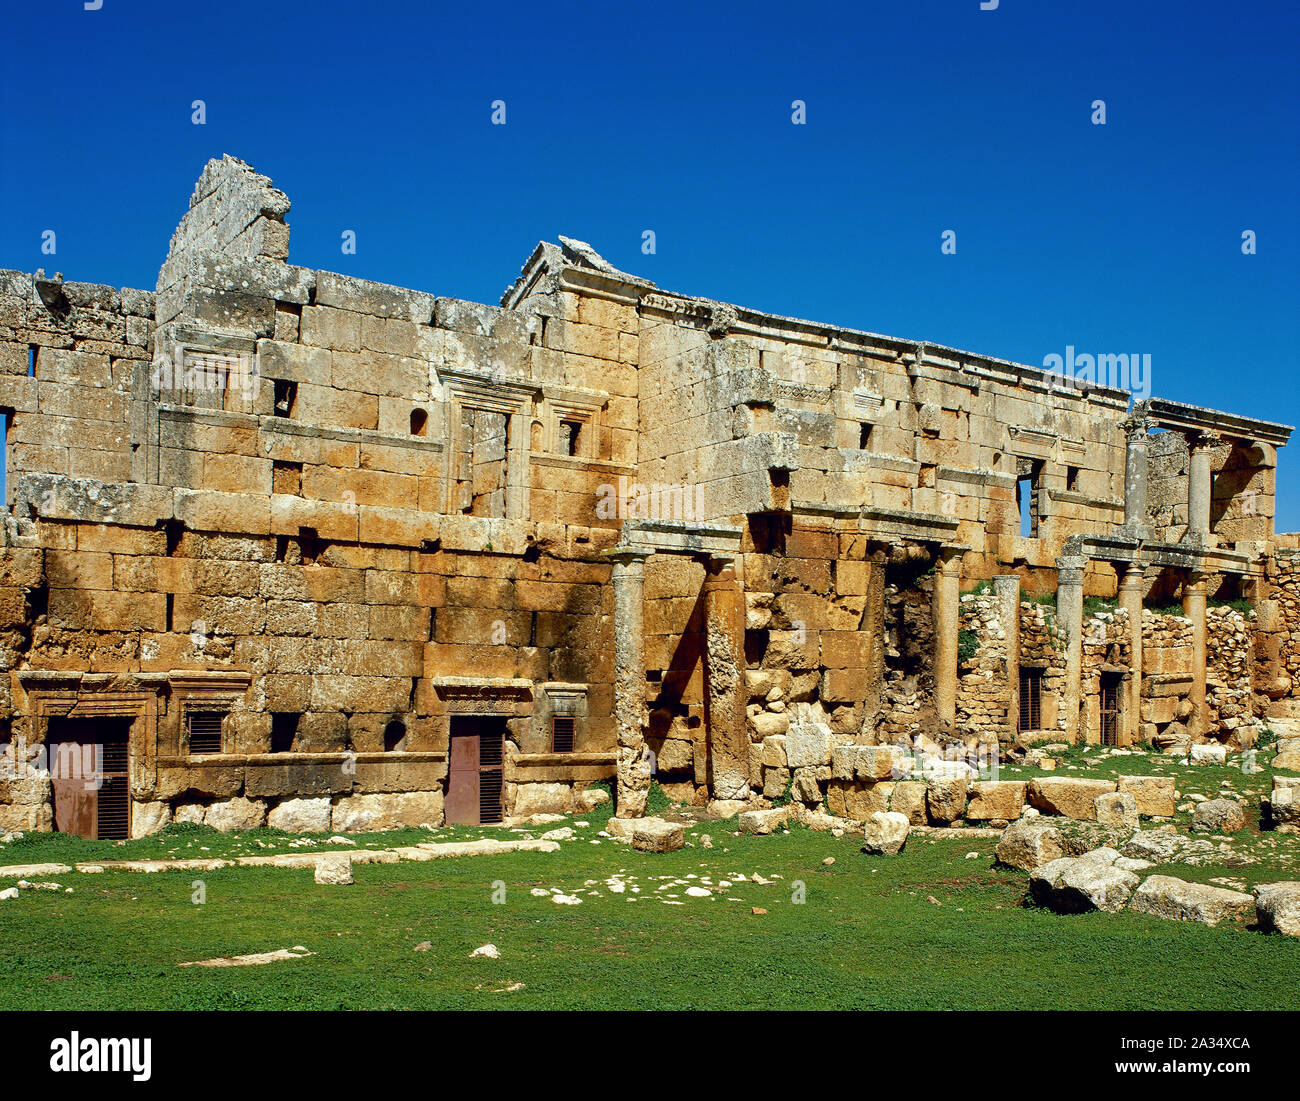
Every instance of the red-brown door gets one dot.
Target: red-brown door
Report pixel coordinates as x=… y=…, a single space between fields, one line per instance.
x=476 y=770
x=463 y=780
x=89 y=773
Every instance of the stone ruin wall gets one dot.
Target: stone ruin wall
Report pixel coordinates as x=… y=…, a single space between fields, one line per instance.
x=351 y=565
x=1243 y=500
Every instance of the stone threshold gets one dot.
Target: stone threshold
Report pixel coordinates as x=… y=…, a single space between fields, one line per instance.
x=428 y=850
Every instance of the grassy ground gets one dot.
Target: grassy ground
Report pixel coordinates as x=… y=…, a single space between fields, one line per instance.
x=930 y=928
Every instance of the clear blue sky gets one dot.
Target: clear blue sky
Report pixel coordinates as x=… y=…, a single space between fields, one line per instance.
x=922 y=116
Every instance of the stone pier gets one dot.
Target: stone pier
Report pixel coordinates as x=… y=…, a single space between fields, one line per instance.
x=1130 y=599
x=724 y=614
x=1069 y=612
x=947 y=609
x=1194 y=609
x=1007 y=587
x=633 y=764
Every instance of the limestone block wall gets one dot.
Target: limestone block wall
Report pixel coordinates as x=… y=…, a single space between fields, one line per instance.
x=675 y=668
x=1283 y=625
x=907 y=691
x=69 y=354
x=1107 y=649
x=984 y=688
x=1243 y=502
x=1042 y=646
x=815 y=650
x=1166 y=678
x=1230 y=694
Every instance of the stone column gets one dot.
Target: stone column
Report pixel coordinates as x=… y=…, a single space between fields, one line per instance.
x=1007 y=587
x=1137 y=427
x=1069 y=613
x=1199 y=482
x=1130 y=599
x=1194 y=609
x=724 y=631
x=947 y=607
x=633 y=764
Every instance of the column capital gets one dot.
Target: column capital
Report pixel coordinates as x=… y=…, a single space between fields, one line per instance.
x=1204 y=439
x=949 y=558
x=1070 y=568
x=626 y=556
x=718 y=563
x=1133 y=572
x=1137 y=425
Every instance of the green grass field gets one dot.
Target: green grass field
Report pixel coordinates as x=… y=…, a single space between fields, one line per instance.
x=866 y=935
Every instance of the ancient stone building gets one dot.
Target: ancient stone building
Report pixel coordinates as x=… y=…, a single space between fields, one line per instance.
x=283 y=546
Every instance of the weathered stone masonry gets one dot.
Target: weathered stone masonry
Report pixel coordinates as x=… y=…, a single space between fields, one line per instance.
x=299 y=539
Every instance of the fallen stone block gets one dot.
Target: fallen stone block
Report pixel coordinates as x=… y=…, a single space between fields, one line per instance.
x=1208 y=754
x=1163 y=896
x=654 y=835
x=1077 y=884
x=1029 y=844
x=992 y=799
x=1068 y=797
x=885 y=833
x=1278 y=907
x=764 y=821
x=1154 y=794
x=1118 y=809
x=334 y=868
x=297 y=952
x=945 y=799
x=1219 y=816
x=31 y=871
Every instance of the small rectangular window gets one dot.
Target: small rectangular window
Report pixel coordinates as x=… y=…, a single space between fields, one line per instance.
x=864 y=436
x=203 y=730
x=286 y=394
x=1031 y=698
x=31 y=360
x=284 y=726
x=570 y=433
x=1072 y=478
x=562 y=734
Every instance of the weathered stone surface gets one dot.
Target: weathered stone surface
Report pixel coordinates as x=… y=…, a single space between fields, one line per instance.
x=1118 y=809
x=1067 y=796
x=301 y=815
x=149 y=817
x=235 y=814
x=654 y=835
x=544 y=798
x=1208 y=754
x=885 y=833
x=386 y=811
x=1154 y=794
x=1164 y=896
x=1219 y=816
x=1284 y=807
x=945 y=800
x=1075 y=884
x=1029 y=844
x=334 y=868
x=807 y=744
x=991 y=799
x=908 y=799
x=1278 y=907
x=764 y=821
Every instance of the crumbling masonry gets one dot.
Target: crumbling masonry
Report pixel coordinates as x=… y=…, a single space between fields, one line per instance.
x=287 y=547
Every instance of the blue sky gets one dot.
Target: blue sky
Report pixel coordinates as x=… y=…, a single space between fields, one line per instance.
x=922 y=116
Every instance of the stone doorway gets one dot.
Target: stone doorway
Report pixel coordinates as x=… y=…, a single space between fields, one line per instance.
x=89 y=771
x=475 y=776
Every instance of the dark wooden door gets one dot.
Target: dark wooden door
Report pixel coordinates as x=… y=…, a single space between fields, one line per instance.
x=476 y=770
x=1110 y=685
x=89 y=766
